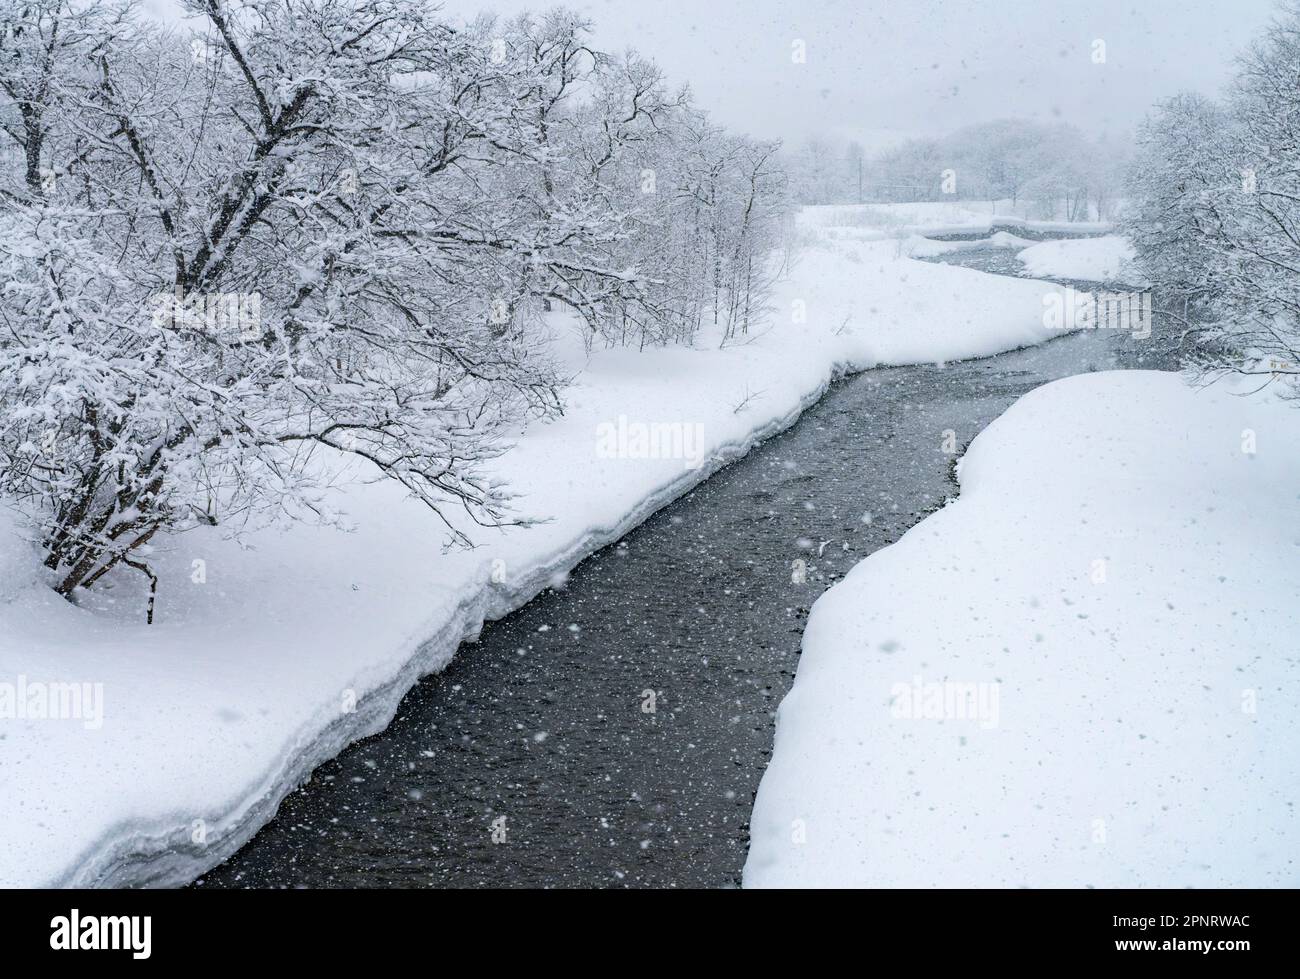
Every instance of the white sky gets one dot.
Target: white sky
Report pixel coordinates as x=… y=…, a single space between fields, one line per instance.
x=880 y=70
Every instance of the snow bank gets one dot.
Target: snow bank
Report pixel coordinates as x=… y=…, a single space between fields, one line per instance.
x=1105 y=259
x=1050 y=227
x=970 y=215
x=935 y=218
x=270 y=656
x=920 y=247
x=1082 y=672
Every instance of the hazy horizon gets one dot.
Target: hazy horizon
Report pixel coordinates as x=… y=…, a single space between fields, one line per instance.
x=880 y=72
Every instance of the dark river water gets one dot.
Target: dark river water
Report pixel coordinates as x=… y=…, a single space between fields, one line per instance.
x=540 y=756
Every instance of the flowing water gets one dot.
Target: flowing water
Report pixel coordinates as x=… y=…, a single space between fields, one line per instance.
x=613 y=731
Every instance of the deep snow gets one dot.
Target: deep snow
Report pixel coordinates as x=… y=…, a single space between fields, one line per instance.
x=1105 y=259
x=1080 y=673
x=271 y=654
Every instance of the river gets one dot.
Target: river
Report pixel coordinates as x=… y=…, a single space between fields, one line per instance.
x=613 y=731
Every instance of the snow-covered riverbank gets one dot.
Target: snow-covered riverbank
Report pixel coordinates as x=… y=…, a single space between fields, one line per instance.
x=1081 y=673
x=269 y=656
x=1105 y=259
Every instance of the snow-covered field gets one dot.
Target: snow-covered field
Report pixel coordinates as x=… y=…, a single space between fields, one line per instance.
x=270 y=655
x=1105 y=259
x=931 y=216
x=934 y=218
x=1081 y=673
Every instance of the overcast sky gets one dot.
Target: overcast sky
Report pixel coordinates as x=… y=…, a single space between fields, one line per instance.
x=880 y=70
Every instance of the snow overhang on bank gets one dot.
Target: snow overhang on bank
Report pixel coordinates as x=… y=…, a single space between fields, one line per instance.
x=1080 y=673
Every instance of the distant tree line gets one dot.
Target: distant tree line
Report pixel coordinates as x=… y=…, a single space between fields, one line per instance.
x=1047 y=171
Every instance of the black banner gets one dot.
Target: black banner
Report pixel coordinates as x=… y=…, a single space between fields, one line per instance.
x=139 y=929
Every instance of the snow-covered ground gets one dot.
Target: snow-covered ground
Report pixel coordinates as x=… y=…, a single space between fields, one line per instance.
x=934 y=218
x=1105 y=259
x=1081 y=673
x=931 y=216
x=270 y=655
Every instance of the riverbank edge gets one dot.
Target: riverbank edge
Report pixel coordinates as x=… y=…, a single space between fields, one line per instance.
x=158 y=850
x=162 y=854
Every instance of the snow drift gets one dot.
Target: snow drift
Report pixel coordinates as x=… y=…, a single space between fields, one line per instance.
x=1105 y=259
x=1081 y=673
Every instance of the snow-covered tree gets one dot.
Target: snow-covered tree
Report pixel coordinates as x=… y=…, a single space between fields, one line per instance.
x=1215 y=210
x=712 y=206
x=309 y=229
x=1049 y=170
x=1181 y=168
